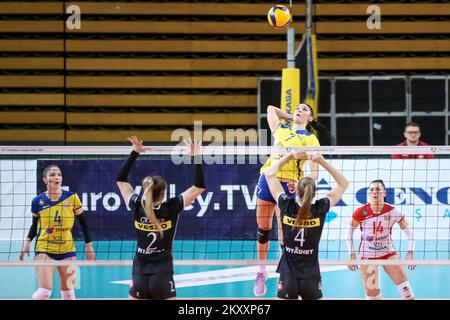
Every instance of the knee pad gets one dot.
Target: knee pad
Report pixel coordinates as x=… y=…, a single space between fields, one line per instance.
x=41 y=294
x=405 y=290
x=263 y=235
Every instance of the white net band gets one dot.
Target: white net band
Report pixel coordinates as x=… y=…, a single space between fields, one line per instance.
x=221 y=150
x=332 y=262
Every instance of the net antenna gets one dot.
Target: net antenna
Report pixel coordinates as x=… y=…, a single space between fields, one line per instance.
x=308 y=34
x=290 y=45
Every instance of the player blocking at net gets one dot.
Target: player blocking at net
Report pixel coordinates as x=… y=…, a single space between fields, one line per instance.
x=302 y=223
x=376 y=220
x=54 y=212
x=300 y=134
x=155 y=222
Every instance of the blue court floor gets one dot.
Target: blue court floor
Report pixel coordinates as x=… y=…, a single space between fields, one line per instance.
x=103 y=282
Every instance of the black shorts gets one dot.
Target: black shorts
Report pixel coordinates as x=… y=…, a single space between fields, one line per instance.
x=156 y=286
x=290 y=287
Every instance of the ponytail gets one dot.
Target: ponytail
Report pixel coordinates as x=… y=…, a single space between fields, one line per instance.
x=306 y=192
x=318 y=129
x=147 y=203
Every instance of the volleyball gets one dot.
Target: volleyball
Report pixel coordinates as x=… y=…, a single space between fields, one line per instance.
x=279 y=16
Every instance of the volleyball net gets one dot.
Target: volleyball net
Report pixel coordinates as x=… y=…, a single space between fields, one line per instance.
x=219 y=228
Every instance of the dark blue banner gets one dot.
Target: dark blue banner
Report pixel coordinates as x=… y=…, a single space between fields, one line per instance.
x=225 y=211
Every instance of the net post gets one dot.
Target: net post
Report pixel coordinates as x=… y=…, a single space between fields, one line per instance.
x=290 y=48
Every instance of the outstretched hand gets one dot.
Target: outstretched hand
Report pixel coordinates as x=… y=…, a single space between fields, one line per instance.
x=317 y=158
x=300 y=155
x=137 y=144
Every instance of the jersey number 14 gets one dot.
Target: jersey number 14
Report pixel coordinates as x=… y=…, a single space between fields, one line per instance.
x=377 y=228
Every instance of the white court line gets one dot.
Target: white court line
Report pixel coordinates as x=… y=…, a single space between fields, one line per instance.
x=224 y=276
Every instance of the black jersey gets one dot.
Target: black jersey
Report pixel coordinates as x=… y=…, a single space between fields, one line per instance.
x=301 y=244
x=154 y=253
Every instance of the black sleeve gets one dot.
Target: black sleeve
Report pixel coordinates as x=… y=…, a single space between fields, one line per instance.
x=176 y=205
x=84 y=227
x=122 y=175
x=284 y=201
x=323 y=205
x=199 y=175
x=33 y=229
x=134 y=203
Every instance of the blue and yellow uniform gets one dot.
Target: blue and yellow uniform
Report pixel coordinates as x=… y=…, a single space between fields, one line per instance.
x=56 y=219
x=286 y=137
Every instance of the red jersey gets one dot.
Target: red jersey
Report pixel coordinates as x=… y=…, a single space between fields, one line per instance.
x=376 y=230
x=412 y=156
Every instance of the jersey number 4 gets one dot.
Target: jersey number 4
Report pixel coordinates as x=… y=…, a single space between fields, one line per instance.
x=300 y=237
x=57 y=217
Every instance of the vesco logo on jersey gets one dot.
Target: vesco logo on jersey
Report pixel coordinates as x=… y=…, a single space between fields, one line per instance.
x=308 y=223
x=49 y=230
x=151 y=227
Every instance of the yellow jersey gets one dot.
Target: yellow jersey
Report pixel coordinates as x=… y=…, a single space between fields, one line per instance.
x=287 y=137
x=55 y=222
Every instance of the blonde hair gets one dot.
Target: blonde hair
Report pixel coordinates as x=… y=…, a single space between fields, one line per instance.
x=306 y=192
x=153 y=188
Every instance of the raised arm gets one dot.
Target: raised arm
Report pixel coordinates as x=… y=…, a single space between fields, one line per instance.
x=336 y=193
x=274 y=115
x=189 y=195
x=272 y=181
x=126 y=190
x=314 y=170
